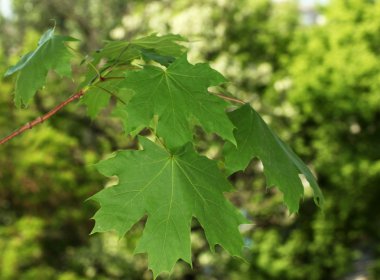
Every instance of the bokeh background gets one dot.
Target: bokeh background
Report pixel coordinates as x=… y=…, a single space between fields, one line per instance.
x=312 y=69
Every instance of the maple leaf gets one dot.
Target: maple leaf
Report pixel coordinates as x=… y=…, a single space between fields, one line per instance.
x=166 y=45
x=179 y=97
x=50 y=54
x=170 y=189
x=281 y=165
x=163 y=49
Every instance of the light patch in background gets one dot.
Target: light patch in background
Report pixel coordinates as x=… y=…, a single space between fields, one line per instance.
x=305 y=2
x=5 y=8
x=311 y=2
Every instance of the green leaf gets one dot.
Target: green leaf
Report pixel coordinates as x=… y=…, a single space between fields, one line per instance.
x=117 y=51
x=96 y=99
x=170 y=189
x=98 y=95
x=281 y=165
x=166 y=45
x=50 y=54
x=179 y=97
x=152 y=56
x=163 y=49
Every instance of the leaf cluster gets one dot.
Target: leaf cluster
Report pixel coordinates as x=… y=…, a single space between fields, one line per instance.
x=156 y=88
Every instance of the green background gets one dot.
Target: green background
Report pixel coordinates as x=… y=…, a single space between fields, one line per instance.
x=314 y=76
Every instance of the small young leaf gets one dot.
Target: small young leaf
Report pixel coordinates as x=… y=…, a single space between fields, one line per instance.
x=170 y=189
x=177 y=95
x=281 y=165
x=50 y=54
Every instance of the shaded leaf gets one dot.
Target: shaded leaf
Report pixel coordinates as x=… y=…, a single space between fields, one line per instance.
x=281 y=165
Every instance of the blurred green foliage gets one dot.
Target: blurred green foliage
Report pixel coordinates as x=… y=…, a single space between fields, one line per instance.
x=317 y=85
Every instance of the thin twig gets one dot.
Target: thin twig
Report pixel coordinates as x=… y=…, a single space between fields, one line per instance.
x=85 y=59
x=43 y=118
x=111 y=93
x=98 y=78
x=118 y=57
x=230 y=98
x=112 y=78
